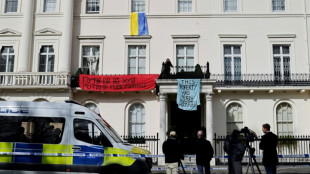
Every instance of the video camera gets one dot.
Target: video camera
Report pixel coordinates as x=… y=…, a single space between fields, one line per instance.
x=249 y=135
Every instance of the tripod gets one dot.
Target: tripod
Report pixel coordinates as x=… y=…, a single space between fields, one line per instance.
x=251 y=157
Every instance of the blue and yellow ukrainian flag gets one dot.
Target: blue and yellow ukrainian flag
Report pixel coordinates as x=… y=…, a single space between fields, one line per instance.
x=138 y=24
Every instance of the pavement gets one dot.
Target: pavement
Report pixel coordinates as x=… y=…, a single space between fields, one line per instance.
x=222 y=169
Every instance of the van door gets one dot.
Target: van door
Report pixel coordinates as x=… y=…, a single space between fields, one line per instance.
x=88 y=144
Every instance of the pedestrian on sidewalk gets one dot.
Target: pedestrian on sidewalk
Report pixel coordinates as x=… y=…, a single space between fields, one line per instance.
x=173 y=153
x=204 y=153
x=235 y=150
x=269 y=146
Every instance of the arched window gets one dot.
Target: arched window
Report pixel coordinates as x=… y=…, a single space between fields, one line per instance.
x=7 y=59
x=40 y=100
x=284 y=119
x=136 y=119
x=234 y=115
x=93 y=107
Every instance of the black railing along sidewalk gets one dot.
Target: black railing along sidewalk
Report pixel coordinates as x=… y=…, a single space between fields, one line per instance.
x=149 y=143
x=287 y=145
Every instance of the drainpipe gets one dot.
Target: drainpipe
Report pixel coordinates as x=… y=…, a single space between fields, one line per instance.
x=306 y=32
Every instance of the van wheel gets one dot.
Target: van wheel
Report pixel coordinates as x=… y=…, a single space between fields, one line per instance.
x=115 y=169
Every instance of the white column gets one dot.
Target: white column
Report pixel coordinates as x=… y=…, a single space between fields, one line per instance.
x=209 y=118
x=66 y=43
x=26 y=39
x=162 y=124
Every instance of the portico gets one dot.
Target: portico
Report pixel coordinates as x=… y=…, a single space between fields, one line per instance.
x=169 y=87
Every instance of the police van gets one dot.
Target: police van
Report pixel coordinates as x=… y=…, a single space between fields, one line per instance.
x=42 y=138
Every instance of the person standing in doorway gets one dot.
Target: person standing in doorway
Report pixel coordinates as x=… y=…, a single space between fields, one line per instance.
x=204 y=153
x=269 y=146
x=173 y=153
x=235 y=150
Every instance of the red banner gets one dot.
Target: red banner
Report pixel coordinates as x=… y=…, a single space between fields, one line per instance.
x=117 y=83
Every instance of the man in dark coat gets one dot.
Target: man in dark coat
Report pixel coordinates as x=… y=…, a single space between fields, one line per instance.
x=173 y=153
x=165 y=70
x=204 y=153
x=235 y=150
x=269 y=146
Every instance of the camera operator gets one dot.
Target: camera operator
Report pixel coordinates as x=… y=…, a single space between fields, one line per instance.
x=235 y=150
x=269 y=146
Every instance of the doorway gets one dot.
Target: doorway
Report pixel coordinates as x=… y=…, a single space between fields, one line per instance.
x=186 y=124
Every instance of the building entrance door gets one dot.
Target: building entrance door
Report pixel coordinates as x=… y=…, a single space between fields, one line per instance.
x=186 y=124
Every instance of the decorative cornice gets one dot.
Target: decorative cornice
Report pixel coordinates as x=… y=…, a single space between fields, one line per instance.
x=185 y=36
x=91 y=37
x=241 y=36
x=9 y=33
x=273 y=36
x=137 y=37
x=47 y=32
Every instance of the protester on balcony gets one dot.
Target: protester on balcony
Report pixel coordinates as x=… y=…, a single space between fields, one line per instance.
x=204 y=153
x=235 y=150
x=173 y=153
x=165 y=69
x=269 y=146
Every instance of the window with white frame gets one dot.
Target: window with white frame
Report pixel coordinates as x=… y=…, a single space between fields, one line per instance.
x=185 y=58
x=92 y=6
x=230 y=5
x=50 y=5
x=278 y=5
x=47 y=59
x=136 y=59
x=90 y=60
x=7 y=59
x=93 y=107
x=281 y=61
x=284 y=119
x=232 y=62
x=136 y=118
x=137 y=5
x=234 y=116
x=184 y=6
x=11 y=6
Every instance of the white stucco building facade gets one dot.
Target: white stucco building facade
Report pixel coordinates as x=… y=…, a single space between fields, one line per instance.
x=258 y=53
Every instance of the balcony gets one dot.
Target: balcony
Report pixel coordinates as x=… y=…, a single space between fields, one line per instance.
x=240 y=80
x=28 y=80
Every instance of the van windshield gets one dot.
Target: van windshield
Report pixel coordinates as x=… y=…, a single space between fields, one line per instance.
x=110 y=131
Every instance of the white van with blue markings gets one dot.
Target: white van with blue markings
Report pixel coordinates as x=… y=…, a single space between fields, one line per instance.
x=58 y=138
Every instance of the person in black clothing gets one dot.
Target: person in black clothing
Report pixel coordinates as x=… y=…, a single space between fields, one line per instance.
x=173 y=153
x=204 y=153
x=235 y=150
x=269 y=146
x=165 y=70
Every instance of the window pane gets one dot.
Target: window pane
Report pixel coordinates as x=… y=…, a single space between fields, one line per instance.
x=276 y=49
x=278 y=5
x=286 y=49
x=132 y=51
x=11 y=64
x=49 y=5
x=141 y=51
x=51 y=59
x=284 y=119
x=11 y=6
x=234 y=117
x=185 y=6
x=137 y=5
x=230 y=5
x=227 y=49
x=180 y=50
x=237 y=50
x=190 y=50
x=92 y=6
x=190 y=63
x=136 y=120
x=141 y=65
x=31 y=129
